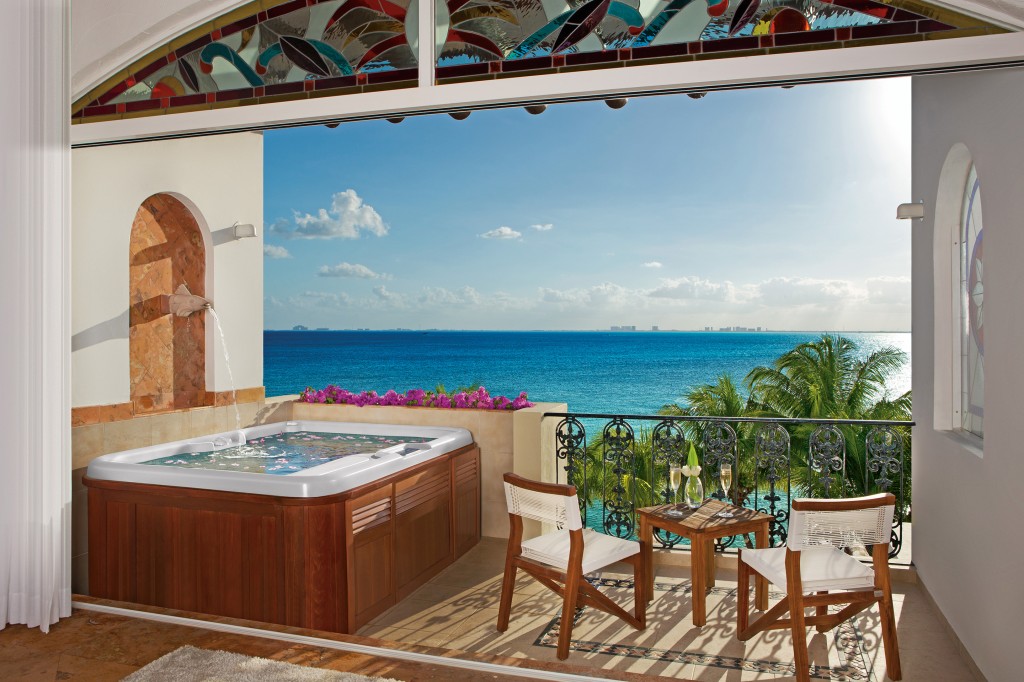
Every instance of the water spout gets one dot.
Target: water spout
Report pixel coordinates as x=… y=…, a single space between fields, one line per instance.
x=184 y=303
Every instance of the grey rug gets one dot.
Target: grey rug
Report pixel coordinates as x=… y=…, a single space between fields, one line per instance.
x=189 y=664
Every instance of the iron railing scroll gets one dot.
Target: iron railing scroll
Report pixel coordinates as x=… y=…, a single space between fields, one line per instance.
x=626 y=466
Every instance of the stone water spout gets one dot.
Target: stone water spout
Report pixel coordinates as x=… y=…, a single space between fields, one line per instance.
x=184 y=303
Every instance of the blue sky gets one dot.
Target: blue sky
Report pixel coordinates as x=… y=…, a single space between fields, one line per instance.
x=768 y=207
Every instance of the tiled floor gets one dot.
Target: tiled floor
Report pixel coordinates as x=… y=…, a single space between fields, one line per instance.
x=98 y=647
x=458 y=610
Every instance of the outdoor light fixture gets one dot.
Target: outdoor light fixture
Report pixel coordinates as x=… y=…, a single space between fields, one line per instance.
x=459 y=115
x=911 y=211
x=696 y=95
x=396 y=119
x=617 y=103
x=244 y=230
x=536 y=108
x=335 y=124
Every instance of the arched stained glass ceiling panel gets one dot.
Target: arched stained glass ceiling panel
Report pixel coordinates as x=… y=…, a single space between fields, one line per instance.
x=266 y=52
x=497 y=38
x=270 y=51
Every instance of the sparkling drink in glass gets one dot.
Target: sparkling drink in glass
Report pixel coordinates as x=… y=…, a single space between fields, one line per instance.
x=725 y=477
x=675 y=479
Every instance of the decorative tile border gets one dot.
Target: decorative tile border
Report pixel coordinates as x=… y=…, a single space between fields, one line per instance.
x=849 y=641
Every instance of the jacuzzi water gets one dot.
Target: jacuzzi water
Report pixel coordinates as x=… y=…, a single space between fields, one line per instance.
x=286 y=459
x=284 y=453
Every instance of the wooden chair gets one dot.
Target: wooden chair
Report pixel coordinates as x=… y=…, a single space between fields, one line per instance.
x=813 y=565
x=560 y=559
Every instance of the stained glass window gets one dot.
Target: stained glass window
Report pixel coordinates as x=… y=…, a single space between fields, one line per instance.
x=494 y=38
x=972 y=293
x=295 y=49
x=269 y=51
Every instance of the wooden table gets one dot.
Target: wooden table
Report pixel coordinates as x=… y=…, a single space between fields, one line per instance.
x=702 y=526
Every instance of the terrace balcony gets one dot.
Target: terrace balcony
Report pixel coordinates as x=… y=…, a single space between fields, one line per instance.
x=458 y=609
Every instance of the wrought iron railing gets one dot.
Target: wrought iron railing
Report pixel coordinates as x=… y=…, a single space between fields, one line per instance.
x=618 y=471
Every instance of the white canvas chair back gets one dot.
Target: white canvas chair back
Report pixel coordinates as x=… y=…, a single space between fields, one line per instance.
x=561 y=511
x=841 y=529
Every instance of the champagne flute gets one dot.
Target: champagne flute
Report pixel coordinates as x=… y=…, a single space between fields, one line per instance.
x=725 y=477
x=675 y=479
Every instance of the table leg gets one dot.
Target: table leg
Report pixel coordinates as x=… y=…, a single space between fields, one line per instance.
x=711 y=569
x=760 y=583
x=698 y=577
x=647 y=556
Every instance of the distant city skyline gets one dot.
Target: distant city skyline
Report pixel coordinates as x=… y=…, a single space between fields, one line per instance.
x=770 y=207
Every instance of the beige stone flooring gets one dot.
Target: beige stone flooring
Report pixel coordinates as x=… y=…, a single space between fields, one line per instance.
x=458 y=610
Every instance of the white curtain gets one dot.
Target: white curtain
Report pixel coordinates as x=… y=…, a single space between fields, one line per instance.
x=35 y=434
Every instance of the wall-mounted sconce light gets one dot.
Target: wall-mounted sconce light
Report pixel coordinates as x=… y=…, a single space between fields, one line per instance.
x=243 y=231
x=911 y=211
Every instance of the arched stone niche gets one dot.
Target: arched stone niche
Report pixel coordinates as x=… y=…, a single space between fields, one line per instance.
x=167 y=354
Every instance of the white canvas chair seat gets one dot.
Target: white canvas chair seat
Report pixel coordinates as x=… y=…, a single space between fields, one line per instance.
x=821 y=568
x=599 y=550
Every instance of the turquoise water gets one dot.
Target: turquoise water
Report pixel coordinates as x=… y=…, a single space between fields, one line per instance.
x=284 y=453
x=606 y=372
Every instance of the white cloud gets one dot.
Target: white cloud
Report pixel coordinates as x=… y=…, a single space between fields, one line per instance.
x=389 y=297
x=694 y=288
x=347 y=217
x=543 y=227
x=797 y=291
x=439 y=296
x=355 y=270
x=889 y=290
x=604 y=295
x=275 y=252
x=503 y=232
x=322 y=299
x=653 y=264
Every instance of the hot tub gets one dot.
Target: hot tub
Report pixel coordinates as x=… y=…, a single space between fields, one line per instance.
x=315 y=524
x=290 y=459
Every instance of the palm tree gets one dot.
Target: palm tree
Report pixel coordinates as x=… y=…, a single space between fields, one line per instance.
x=827 y=379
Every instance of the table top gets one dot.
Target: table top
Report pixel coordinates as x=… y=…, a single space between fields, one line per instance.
x=703 y=519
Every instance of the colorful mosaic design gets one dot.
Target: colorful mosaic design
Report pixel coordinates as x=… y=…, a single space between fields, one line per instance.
x=292 y=50
x=492 y=38
x=849 y=643
x=265 y=52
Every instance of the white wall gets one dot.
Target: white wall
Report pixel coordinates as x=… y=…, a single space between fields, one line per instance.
x=109 y=35
x=221 y=179
x=969 y=509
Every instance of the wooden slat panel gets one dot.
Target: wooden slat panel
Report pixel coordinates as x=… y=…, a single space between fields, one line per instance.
x=220 y=563
x=372 y=565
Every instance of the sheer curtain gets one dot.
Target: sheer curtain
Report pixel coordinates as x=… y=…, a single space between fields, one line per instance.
x=35 y=434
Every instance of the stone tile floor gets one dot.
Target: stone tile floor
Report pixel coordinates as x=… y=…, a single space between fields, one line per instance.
x=458 y=610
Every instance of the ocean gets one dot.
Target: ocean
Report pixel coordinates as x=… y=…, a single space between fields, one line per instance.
x=602 y=372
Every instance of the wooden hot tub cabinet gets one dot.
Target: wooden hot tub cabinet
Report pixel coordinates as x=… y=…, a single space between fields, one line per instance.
x=328 y=563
